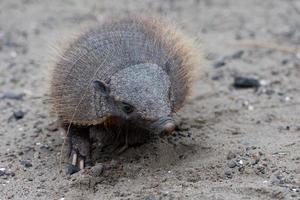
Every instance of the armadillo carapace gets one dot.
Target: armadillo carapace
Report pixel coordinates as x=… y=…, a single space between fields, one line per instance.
x=125 y=75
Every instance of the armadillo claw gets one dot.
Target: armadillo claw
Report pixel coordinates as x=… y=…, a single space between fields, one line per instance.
x=74 y=159
x=81 y=164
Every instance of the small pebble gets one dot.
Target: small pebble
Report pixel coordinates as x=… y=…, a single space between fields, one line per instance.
x=230 y=155
x=286 y=99
x=228 y=173
x=19 y=114
x=219 y=63
x=231 y=164
x=36 y=155
x=246 y=103
x=25 y=163
x=250 y=107
x=2 y=171
x=294 y=190
x=40 y=173
x=44 y=146
x=96 y=170
x=71 y=169
x=263 y=82
x=255 y=159
x=284 y=61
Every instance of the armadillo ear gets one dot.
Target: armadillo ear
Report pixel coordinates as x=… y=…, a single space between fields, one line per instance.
x=101 y=87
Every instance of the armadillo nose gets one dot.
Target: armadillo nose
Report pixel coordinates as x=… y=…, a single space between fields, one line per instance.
x=169 y=128
x=164 y=126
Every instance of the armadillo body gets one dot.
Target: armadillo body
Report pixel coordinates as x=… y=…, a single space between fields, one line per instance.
x=141 y=57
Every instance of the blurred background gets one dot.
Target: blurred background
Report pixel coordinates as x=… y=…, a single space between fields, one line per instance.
x=243 y=118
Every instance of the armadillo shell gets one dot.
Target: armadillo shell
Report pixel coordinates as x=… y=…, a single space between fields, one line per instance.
x=115 y=45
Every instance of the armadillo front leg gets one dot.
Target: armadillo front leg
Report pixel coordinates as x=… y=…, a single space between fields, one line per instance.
x=79 y=148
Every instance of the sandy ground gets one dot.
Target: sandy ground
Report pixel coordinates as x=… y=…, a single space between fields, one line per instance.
x=233 y=143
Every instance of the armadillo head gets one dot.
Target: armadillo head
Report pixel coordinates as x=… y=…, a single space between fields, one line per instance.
x=140 y=94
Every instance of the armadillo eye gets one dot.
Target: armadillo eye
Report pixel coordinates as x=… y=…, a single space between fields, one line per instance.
x=127 y=108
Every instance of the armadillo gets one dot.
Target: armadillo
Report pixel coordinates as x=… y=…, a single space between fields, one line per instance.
x=120 y=79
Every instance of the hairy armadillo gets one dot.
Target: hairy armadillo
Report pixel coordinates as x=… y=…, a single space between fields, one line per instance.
x=120 y=79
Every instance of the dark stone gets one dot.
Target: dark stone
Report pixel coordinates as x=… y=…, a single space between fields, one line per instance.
x=284 y=61
x=44 y=146
x=71 y=169
x=19 y=114
x=244 y=82
x=25 y=163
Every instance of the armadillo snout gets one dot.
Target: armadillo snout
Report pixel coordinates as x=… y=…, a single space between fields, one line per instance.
x=164 y=126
